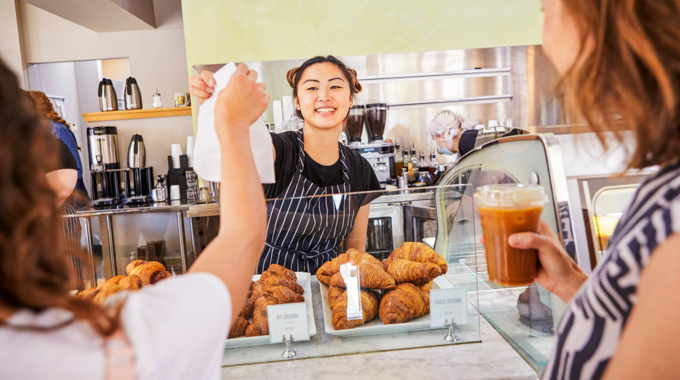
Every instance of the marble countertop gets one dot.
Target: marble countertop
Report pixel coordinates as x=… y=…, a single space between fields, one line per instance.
x=492 y=358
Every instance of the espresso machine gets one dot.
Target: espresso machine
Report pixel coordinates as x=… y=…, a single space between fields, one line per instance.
x=107 y=179
x=377 y=152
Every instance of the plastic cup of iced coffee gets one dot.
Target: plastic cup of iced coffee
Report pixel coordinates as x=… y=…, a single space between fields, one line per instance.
x=504 y=210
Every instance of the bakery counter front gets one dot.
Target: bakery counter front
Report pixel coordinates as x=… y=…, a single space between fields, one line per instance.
x=427 y=292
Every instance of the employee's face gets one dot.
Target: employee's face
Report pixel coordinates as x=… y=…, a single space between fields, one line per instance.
x=323 y=96
x=560 y=35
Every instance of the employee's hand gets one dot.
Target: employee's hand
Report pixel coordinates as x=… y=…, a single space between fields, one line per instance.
x=241 y=102
x=557 y=272
x=202 y=86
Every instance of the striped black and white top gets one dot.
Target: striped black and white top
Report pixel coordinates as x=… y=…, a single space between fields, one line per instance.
x=591 y=327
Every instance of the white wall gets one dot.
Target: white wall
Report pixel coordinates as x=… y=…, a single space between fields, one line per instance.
x=157 y=60
x=10 y=43
x=157 y=57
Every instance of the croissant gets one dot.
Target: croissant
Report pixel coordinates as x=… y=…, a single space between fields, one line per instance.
x=260 y=325
x=273 y=279
x=149 y=272
x=405 y=302
x=88 y=294
x=109 y=287
x=369 y=308
x=281 y=271
x=247 y=309
x=418 y=252
x=413 y=272
x=238 y=327
x=281 y=294
x=131 y=282
x=134 y=265
x=371 y=272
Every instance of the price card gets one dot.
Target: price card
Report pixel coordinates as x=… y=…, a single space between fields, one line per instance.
x=447 y=305
x=287 y=320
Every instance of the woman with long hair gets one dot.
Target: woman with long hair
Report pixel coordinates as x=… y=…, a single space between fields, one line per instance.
x=620 y=65
x=58 y=127
x=174 y=329
x=303 y=233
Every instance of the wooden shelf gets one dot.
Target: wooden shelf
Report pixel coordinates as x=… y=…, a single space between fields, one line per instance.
x=137 y=114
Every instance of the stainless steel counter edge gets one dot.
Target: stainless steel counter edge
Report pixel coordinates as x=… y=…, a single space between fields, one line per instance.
x=155 y=207
x=398 y=196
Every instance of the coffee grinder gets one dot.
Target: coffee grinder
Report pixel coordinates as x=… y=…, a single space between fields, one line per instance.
x=377 y=152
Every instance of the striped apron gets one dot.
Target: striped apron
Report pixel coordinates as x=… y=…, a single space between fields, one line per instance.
x=307 y=223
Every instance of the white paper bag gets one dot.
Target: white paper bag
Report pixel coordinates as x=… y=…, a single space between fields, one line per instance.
x=207 y=155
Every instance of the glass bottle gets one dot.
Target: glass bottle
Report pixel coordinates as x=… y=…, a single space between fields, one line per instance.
x=398 y=160
x=406 y=158
x=432 y=165
x=414 y=158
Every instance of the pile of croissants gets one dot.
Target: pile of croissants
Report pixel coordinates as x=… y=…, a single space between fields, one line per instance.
x=404 y=278
x=139 y=273
x=277 y=285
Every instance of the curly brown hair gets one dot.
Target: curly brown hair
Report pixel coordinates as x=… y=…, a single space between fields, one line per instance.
x=45 y=107
x=631 y=76
x=35 y=269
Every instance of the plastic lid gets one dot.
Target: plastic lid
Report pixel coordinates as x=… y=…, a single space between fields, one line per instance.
x=511 y=196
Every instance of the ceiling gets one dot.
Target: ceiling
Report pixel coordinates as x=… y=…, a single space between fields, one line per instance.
x=115 y=15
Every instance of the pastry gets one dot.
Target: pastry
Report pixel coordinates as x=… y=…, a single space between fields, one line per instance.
x=150 y=272
x=405 y=302
x=417 y=252
x=134 y=264
x=238 y=327
x=274 y=279
x=371 y=273
x=414 y=272
x=281 y=294
x=248 y=307
x=260 y=325
x=131 y=282
x=337 y=298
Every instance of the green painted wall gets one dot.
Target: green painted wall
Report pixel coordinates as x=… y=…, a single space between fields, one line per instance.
x=219 y=31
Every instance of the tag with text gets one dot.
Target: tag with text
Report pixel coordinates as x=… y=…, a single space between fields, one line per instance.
x=287 y=320
x=447 y=305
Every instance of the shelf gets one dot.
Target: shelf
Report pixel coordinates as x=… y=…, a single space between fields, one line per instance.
x=137 y=114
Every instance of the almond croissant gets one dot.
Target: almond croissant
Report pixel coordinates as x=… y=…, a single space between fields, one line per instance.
x=337 y=298
x=413 y=272
x=405 y=302
x=418 y=252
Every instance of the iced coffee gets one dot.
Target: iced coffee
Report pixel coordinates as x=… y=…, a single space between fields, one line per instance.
x=505 y=210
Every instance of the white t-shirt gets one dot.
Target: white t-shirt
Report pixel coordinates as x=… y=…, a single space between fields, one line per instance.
x=177 y=328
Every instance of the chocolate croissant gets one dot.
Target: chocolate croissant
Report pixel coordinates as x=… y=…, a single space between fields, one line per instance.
x=134 y=264
x=405 y=302
x=418 y=252
x=338 y=303
x=150 y=272
x=412 y=271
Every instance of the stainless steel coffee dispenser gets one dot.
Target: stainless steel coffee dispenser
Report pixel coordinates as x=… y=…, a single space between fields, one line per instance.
x=107 y=179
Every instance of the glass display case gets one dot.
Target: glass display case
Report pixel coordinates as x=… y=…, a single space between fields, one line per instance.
x=398 y=313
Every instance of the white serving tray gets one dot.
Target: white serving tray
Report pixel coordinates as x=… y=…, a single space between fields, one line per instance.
x=376 y=327
x=304 y=279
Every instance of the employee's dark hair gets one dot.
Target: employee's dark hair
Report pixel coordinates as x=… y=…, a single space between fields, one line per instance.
x=293 y=76
x=36 y=272
x=632 y=74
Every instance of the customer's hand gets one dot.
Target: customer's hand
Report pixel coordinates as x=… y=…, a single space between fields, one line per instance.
x=240 y=103
x=557 y=272
x=202 y=86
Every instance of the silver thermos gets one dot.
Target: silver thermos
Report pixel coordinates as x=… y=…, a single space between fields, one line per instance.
x=133 y=98
x=102 y=143
x=108 y=101
x=136 y=153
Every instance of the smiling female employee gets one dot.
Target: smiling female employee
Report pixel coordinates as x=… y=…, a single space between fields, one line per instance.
x=304 y=231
